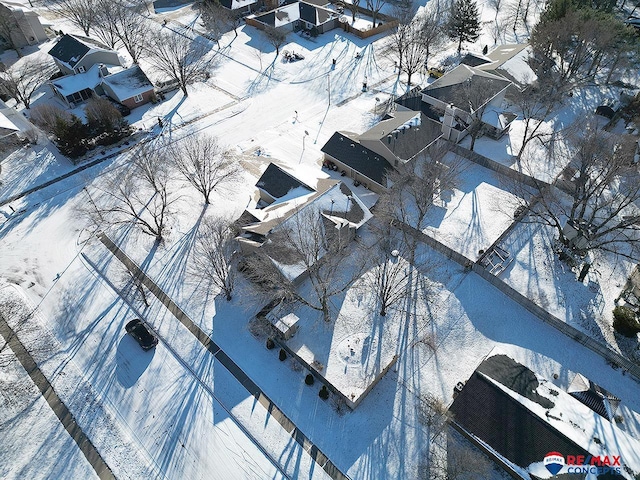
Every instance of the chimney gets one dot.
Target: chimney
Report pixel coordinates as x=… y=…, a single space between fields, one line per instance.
x=102 y=70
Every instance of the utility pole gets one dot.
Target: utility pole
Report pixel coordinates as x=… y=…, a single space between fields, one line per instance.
x=329 y=86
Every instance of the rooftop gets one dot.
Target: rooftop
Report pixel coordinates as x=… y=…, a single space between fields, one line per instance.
x=351 y=153
x=128 y=82
x=71 y=48
x=278 y=182
x=447 y=87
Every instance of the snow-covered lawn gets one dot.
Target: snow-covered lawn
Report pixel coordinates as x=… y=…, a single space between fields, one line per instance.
x=175 y=405
x=587 y=306
x=474 y=214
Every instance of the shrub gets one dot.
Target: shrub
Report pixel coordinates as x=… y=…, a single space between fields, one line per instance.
x=71 y=135
x=625 y=322
x=283 y=355
x=270 y=344
x=309 y=379
x=324 y=393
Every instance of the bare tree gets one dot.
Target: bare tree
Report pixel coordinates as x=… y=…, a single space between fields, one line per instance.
x=213 y=254
x=415 y=54
x=577 y=45
x=461 y=461
x=204 y=163
x=308 y=242
x=131 y=27
x=431 y=30
x=46 y=116
x=375 y=6
x=397 y=42
x=594 y=206
x=496 y=5
x=23 y=79
x=275 y=37
x=104 y=118
x=81 y=13
x=141 y=196
x=181 y=59
x=235 y=20
x=215 y=19
x=105 y=26
x=391 y=280
x=472 y=98
x=416 y=185
x=354 y=9
x=535 y=104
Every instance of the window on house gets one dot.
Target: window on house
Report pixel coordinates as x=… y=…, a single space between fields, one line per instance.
x=81 y=69
x=138 y=98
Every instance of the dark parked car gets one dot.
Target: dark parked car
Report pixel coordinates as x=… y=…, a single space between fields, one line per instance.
x=139 y=331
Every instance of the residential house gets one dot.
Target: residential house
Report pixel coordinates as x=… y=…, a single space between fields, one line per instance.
x=510 y=61
x=130 y=87
x=524 y=418
x=26 y=29
x=74 y=54
x=448 y=97
x=368 y=157
x=297 y=15
x=340 y=210
x=276 y=184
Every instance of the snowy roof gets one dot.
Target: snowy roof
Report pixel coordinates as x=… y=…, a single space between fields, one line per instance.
x=511 y=61
x=474 y=60
x=315 y=14
x=7 y=127
x=524 y=418
x=278 y=183
x=70 y=84
x=405 y=134
x=292 y=12
x=280 y=16
x=70 y=49
x=497 y=118
x=361 y=159
x=504 y=53
x=128 y=83
x=446 y=88
x=594 y=396
x=338 y=206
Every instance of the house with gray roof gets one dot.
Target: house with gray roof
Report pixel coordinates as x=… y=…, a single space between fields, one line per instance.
x=451 y=94
x=76 y=54
x=128 y=86
x=297 y=15
x=340 y=211
x=368 y=157
x=519 y=419
x=276 y=184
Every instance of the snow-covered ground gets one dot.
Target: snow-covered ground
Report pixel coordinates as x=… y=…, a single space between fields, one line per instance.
x=182 y=414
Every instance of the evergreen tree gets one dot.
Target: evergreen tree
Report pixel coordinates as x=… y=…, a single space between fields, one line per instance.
x=71 y=135
x=464 y=22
